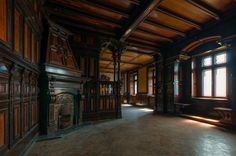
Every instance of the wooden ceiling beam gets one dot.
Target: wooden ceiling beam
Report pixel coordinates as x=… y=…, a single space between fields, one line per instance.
x=122 y=61
x=143 y=46
x=105 y=8
x=143 y=41
x=204 y=8
x=136 y=2
x=105 y=68
x=70 y=23
x=165 y=27
x=171 y=14
x=56 y=9
x=141 y=50
x=155 y=34
x=137 y=17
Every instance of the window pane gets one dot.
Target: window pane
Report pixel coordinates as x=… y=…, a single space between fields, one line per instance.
x=135 y=87
x=193 y=64
x=207 y=82
x=220 y=82
x=150 y=81
x=207 y=61
x=220 y=58
x=192 y=85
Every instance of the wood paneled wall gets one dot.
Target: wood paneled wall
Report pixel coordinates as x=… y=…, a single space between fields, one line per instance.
x=142 y=80
x=17 y=23
x=20 y=33
x=58 y=50
x=86 y=49
x=3 y=20
x=26 y=42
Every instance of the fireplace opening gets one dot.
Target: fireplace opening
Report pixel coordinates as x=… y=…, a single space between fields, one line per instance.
x=64 y=108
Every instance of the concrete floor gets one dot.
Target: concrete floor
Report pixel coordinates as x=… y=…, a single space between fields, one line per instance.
x=139 y=133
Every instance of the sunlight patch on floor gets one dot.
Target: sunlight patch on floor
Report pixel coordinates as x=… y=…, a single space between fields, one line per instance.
x=201 y=124
x=146 y=110
x=126 y=105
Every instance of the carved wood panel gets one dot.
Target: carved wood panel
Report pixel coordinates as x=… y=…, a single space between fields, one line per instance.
x=159 y=86
x=15 y=80
x=169 y=96
x=59 y=52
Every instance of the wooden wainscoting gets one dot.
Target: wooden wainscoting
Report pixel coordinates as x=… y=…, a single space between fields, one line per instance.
x=100 y=100
x=142 y=100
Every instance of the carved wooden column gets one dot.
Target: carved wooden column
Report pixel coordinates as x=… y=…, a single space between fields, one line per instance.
x=117 y=48
x=44 y=101
x=114 y=63
x=119 y=52
x=157 y=87
x=168 y=87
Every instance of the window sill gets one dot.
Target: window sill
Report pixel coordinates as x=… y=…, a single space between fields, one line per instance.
x=209 y=98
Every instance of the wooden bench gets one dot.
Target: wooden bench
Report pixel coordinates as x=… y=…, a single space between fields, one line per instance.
x=179 y=107
x=225 y=113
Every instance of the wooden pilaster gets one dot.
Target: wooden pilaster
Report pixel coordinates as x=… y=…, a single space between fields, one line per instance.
x=232 y=82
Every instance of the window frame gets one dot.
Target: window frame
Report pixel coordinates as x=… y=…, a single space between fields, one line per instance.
x=135 y=81
x=132 y=83
x=199 y=69
x=152 y=77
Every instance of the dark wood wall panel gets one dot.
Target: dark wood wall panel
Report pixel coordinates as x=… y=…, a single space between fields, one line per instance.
x=2 y=128
x=17 y=30
x=33 y=47
x=92 y=63
x=18 y=74
x=86 y=50
x=3 y=20
x=26 y=41
x=16 y=121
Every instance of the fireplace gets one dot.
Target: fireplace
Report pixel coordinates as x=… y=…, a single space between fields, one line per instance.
x=64 y=81
x=64 y=111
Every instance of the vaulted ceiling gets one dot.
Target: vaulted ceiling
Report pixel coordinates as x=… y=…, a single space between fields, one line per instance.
x=147 y=25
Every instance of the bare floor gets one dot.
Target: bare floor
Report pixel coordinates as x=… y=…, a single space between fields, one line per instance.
x=139 y=133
